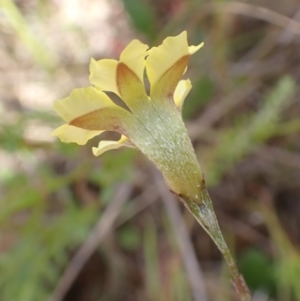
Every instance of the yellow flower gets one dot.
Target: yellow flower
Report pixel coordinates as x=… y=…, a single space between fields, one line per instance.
x=151 y=123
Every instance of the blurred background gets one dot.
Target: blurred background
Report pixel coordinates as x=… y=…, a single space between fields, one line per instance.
x=78 y=228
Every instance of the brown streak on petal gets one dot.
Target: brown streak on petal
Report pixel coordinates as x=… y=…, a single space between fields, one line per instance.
x=122 y=72
x=180 y=64
x=129 y=85
x=168 y=81
x=98 y=120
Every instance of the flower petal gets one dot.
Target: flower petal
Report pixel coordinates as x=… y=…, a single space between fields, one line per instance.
x=103 y=75
x=182 y=90
x=130 y=72
x=69 y=133
x=125 y=78
x=167 y=62
x=106 y=145
x=133 y=56
x=91 y=109
x=80 y=102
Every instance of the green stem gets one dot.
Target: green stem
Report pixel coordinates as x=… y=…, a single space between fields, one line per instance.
x=204 y=213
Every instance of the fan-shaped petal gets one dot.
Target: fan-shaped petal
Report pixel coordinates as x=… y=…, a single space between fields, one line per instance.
x=167 y=62
x=123 y=77
x=103 y=74
x=88 y=112
x=80 y=102
x=133 y=56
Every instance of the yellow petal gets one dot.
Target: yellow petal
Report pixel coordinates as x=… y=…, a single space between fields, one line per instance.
x=131 y=89
x=133 y=56
x=80 y=102
x=167 y=62
x=105 y=145
x=103 y=74
x=163 y=57
x=68 y=133
x=130 y=73
x=181 y=91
